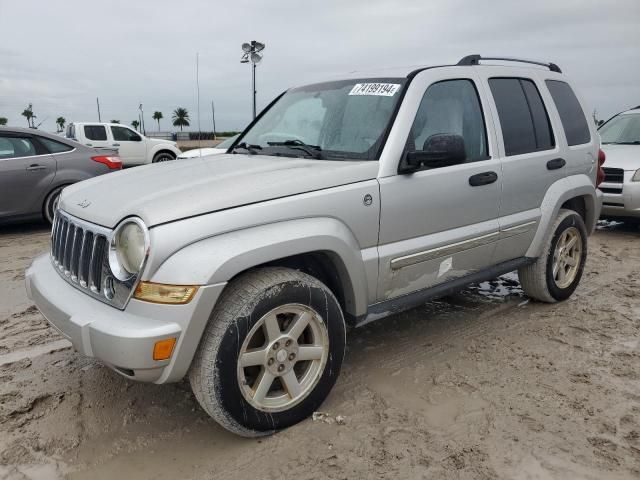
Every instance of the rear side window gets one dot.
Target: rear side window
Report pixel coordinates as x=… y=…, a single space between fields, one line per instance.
x=53 y=146
x=523 y=116
x=16 y=147
x=95 y=132
x=573 y=120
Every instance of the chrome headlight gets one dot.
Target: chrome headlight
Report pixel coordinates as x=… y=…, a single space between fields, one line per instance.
x=128 y=248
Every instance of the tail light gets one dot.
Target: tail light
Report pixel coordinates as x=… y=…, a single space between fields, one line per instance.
x=112 y=162
x=600 y=176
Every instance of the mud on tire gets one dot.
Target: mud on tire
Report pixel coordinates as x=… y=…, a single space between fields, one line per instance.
x=542 y=279
x=239 y=325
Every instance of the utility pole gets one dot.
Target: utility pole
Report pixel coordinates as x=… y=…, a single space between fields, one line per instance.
x=213 y=117
x=98 y=103
x=144 y=132
x=252 y=56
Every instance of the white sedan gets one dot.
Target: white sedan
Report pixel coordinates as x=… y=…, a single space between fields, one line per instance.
x=222 y=147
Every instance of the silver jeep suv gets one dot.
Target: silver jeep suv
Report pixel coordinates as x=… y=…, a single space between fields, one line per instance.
x=342 y=203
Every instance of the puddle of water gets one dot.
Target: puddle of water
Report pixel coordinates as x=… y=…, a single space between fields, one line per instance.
x=35 y=351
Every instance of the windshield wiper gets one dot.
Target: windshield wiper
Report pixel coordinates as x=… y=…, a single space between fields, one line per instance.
x=311 y=150
x=635 y=142
x=252 y=149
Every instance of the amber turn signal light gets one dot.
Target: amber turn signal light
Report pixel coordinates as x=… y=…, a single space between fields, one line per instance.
x=163 y=349
x=163 y=293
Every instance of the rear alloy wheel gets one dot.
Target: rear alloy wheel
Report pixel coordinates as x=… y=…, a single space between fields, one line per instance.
x=556 y=273
x=163 y=157
x=51 y=204
x=271 y=352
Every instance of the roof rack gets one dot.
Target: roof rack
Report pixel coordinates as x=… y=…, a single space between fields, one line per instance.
x=475 y=60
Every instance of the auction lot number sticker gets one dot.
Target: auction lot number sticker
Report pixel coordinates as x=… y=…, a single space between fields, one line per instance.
x=377 y=89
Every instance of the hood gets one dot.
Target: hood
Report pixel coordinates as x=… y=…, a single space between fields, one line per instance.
x=158 y=141
x=626 y=157
x=168 y=191
x=197 y=152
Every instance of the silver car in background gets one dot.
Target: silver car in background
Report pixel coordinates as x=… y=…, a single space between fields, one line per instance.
x=36 y=166
x=621 y=187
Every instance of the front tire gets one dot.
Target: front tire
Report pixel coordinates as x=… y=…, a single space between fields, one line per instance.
x=271 y=352
x=556 y=273
x=163 y=157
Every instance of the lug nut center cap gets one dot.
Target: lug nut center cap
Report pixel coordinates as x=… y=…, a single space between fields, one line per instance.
x=282 y=355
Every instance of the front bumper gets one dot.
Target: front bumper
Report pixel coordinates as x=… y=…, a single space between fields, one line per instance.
x=621 y=199
x=123 y=340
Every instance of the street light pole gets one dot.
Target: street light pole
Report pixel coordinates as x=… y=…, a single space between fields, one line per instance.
x=252 y=56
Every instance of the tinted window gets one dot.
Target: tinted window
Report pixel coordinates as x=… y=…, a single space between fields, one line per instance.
x=123 y=134
x=53 y=146
x=451 y=107
x=13 y=147
x=95 y=132
x=573 y=120
x=523 y=117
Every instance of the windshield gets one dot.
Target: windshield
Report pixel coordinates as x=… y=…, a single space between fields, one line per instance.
x=623 y=129
x=333 y=120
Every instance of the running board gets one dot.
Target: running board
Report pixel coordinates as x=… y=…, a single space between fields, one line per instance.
x=414 y=299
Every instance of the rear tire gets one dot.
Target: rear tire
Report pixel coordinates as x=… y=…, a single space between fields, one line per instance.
x=51 y=203
x=271 y=352
x=556 y=273
x=163 y=157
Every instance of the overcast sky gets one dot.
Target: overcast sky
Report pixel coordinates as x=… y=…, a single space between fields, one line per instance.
x=62 y=55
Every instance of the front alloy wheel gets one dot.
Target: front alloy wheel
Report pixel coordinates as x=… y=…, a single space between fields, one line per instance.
x=271 y=352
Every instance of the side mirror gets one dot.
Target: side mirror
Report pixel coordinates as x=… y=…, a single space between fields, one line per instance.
x=440 y=150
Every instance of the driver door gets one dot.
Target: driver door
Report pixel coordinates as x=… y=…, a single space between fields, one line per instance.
x=131 y=148
x=437 y=224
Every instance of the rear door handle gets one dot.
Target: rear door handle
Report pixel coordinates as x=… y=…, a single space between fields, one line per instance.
x=484 y=178
x=556 y=163
x=116 y=144
x=35 y=167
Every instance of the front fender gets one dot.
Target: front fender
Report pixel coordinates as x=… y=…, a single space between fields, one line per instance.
x=153 y=149
x=218 y=259
x=558 y=193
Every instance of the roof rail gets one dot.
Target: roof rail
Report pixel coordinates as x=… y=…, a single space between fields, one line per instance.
x=475 y=60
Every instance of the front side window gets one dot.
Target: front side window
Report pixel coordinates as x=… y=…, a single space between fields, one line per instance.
x=16 y=147
x=623 y=130
x=573 y=120
x=95 y=132
x=451 y=107
x=523 y=117
x=53 y=146
x=334 y=120
x=123 y=134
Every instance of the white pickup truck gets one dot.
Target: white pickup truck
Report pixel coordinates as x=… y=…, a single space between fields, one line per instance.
x=133 y=147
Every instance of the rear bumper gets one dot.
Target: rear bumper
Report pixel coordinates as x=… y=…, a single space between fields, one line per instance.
x=123 y=340
x=621 y=199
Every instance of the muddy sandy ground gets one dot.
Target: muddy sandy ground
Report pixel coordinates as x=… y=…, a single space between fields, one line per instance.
x=478 y=385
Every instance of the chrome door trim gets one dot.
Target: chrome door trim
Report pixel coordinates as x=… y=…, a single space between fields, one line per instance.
x=444 y=251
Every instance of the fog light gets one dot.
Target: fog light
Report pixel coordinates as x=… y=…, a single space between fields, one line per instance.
x=163 y=293
x=163 y=349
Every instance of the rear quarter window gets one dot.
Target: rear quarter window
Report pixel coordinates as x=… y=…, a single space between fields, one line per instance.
x=54 y=146
x=573 y=119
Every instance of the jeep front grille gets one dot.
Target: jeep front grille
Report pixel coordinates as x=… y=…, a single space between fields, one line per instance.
x=80 y=253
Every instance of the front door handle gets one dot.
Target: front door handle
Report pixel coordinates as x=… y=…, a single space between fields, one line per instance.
x=556 y=163
x=484 y=178
x=116 y=144
x=35 y=167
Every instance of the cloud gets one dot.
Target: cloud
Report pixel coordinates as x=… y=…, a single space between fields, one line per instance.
x=61 y=56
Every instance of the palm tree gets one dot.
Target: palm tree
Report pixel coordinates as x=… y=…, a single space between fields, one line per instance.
x=60 y=121
x=180 y=118
x=28 y=114
x=115 y=121
x=3 y=120
x=135 y=124
x=157 y=116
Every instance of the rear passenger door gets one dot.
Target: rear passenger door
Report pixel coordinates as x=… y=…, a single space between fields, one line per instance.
x=531 y=157
x=96 y=136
